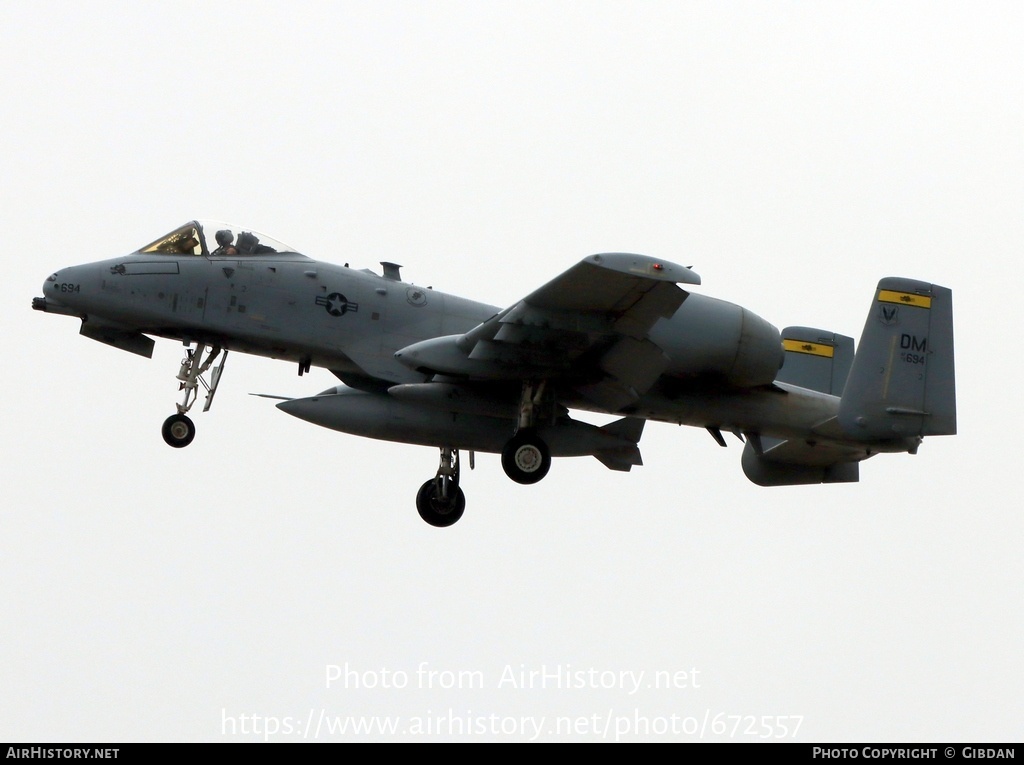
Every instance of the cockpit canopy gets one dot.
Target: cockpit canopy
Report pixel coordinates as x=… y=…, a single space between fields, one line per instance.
x=214 y=240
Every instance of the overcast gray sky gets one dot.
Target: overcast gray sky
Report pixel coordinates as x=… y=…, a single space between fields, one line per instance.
x=255 y=584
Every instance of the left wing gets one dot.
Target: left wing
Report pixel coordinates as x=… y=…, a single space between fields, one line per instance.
x=588 y=326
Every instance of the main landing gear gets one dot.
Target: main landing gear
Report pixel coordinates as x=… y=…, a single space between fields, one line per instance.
x=526 y=458
x=440 y=501
x=178 y=430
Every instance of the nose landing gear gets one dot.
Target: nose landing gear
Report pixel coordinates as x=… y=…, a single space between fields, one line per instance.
x=178 y=430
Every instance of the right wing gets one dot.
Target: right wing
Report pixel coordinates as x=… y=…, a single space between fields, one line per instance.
x=589 y=327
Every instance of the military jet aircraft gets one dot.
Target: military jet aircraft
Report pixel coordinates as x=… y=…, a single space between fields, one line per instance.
x=615 y=334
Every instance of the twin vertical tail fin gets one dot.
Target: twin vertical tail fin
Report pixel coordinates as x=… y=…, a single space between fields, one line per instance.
x=902 y=382
x=898 y=387
x=816 y=359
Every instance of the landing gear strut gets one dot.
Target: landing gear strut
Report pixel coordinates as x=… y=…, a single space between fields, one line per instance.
x=526 y=458
x=440 y=501
x=178 y=429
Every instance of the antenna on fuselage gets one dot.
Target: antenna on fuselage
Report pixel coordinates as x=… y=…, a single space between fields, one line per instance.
x=392 y=271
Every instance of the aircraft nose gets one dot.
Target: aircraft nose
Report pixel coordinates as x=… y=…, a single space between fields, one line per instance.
x=51 y=292
x=50 y=283
x=56 y=290
x=66 y=284
x=58 y=287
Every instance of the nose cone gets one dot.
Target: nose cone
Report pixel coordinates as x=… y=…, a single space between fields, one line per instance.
x=49 y=286
x=350 y=411
x=61 y=288
x=298 y=407
x=59 y=292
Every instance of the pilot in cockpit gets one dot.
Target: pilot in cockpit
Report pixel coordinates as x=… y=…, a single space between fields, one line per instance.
x=249 y=244
x=224 y=240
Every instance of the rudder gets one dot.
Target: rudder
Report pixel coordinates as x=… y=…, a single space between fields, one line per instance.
x=902 y=383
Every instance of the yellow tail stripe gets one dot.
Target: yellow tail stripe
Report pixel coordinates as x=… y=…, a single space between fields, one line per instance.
x=815 y=349
x=904 y=298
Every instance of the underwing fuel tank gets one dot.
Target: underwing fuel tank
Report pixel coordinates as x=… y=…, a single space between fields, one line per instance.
x=381 y=416
x=457 y=398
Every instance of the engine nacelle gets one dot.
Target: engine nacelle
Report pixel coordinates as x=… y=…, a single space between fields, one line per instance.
x=719 y=340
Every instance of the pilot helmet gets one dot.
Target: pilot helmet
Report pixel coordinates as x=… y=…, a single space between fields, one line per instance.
x=224 y=237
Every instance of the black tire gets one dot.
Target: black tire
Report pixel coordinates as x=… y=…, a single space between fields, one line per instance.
x=526 y=458
x=178 y=431
x=437 y=511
